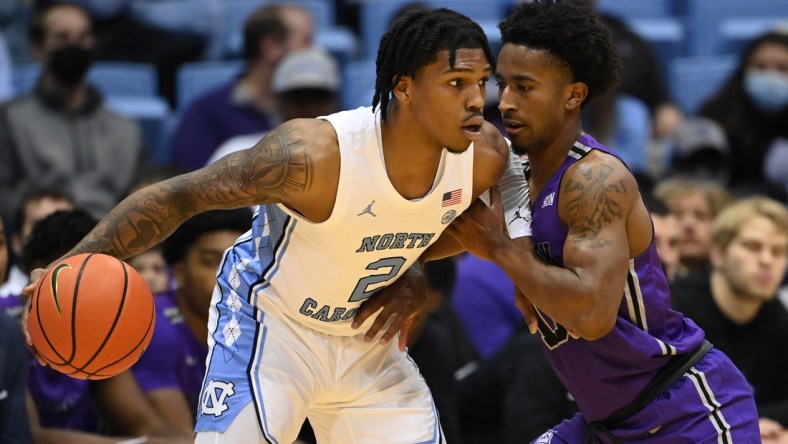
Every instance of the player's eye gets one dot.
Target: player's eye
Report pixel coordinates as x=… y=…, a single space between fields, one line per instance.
x=455 y=82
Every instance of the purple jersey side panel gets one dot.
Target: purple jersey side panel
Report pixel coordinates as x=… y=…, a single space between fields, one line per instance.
x=608 y=373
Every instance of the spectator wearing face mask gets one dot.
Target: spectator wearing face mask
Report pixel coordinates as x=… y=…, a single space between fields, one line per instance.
x=60 y=134
x=752 y=108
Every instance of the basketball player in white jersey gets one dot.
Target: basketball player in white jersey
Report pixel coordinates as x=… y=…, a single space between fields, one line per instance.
x=346 y=204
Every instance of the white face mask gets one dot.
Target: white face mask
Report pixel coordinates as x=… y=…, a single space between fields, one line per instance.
x=768 y=89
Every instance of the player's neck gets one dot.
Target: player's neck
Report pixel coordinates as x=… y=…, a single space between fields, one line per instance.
x=411 y=161
x=546 y=161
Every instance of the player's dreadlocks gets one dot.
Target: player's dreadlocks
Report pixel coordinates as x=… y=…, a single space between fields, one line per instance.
x=414 y=40
x=570 y=33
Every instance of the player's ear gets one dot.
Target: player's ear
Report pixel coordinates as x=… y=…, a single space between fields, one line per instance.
x=402 y=91
x=578 y=91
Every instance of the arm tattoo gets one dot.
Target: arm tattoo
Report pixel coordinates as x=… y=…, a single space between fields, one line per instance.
x=277 y=168
x=594 y=204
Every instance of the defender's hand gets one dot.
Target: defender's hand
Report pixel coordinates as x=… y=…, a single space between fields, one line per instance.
x=402 y=302
x=481 y=229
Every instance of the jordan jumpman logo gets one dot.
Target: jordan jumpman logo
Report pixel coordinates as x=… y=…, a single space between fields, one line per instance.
x=368 y=210
x=517 y=215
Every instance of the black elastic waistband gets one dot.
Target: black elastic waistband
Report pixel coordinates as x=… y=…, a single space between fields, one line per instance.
x=667 y=375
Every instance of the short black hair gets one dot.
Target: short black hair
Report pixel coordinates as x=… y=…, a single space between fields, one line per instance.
x=54 y=236
x=573 y=35
x=414 y=41
x=174 y=247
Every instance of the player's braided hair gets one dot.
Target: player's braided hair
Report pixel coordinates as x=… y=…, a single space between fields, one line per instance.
x=414 y=40
x=570 y=33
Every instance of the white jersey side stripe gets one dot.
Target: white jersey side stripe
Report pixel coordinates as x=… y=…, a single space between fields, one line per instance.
x=698 y=378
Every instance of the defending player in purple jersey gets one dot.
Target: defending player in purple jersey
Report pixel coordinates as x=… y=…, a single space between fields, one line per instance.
x=591 y=281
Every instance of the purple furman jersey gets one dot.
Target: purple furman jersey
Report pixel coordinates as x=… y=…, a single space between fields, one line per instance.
x=175 y=358
x=606 y=374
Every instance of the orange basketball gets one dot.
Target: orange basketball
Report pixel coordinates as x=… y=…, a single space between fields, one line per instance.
x=91 y=316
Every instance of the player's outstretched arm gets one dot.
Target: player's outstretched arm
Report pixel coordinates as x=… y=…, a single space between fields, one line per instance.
x=277 y=169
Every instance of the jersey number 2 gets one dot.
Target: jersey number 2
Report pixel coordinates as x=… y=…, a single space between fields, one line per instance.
x=361 y=291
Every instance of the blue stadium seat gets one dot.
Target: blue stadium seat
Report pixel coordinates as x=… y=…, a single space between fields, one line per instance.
x=706 y=18
x=627 y=9
x=736 y=33
x=666 y=35
x=197 y=78
x=111 y=78
x=694 y=79
x=358 y=85
x=155 y=119
x=376 y=15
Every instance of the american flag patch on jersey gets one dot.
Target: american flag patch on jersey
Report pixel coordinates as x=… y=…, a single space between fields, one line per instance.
x=451 y=198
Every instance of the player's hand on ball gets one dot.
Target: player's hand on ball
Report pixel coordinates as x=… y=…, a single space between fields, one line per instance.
x=35 y=276
x=402 y=302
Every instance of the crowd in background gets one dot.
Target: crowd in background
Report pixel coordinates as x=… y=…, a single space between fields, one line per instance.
x=715 y=180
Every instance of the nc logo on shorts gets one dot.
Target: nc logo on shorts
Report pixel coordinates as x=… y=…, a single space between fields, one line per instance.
x=214 y=396
x=448 y=217
x=546 y=438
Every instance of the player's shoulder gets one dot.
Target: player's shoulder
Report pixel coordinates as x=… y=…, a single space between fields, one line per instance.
x=314 y=135
x=600 y=168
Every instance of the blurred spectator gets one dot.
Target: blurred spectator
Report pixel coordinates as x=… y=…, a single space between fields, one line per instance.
x=696 y=203
x=307 y=85
x=165 y=33
x=171 y=370
x=667 y=235
x=14 y=423
x=484 y=301
x=300 y=25
x=67 y=410
x=700 y=150
x=153 y=268
x=513 y=396
x=37 y=204
x=736 y=304
x=245 y=105
x=752 y=108
x=60 y=134
x=641 y=74
x=434 y=345
x=622 y=123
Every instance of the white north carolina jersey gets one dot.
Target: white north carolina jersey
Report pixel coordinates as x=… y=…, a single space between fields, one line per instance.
x=319 y=273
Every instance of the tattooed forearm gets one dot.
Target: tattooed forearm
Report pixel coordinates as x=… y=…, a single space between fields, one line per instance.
x=142 y=220
x=594 y=203
x=277 y=168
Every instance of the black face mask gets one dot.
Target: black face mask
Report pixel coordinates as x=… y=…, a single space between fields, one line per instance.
x=69 y=63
